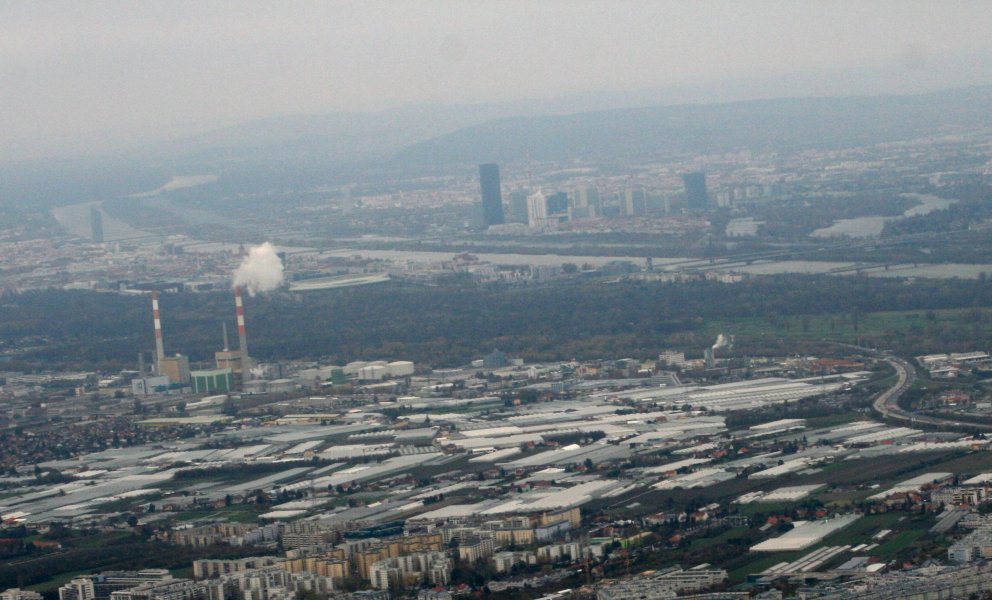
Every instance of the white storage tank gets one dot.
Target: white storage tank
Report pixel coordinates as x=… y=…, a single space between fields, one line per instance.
x=255 y=386
x=308 y=375
x=354 y=367
x=400 y=368
x=281 y=386
x=373 y=373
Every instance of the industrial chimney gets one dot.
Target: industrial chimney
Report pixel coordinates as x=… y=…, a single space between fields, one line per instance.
x=242 y=336
x=159 y=347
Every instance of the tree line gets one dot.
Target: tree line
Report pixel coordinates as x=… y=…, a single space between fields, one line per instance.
x=452 y=324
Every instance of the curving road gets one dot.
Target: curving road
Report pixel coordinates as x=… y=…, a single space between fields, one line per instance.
x=887 y=403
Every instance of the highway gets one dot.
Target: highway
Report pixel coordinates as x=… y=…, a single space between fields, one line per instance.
x=887 y=403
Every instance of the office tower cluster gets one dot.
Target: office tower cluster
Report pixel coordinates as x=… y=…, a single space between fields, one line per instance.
x=543 y=209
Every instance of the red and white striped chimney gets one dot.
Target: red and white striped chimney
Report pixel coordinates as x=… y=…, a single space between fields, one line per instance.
x=159 y=347
x=242 y=336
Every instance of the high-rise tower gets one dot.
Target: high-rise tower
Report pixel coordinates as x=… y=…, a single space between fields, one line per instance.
x=96 y=225
x=537 y=209
x=696 y=197
x=492 y=200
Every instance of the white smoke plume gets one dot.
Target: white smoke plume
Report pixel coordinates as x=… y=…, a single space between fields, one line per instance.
x=260 y=271
x=721 y=342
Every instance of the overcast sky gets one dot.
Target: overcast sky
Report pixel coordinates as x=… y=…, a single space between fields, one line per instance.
x=77 y=71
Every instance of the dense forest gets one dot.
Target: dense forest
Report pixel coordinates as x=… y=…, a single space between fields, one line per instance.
x=454 y=323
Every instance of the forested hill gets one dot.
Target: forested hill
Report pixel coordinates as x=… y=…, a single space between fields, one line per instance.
x=450 y=325
x=762 y=125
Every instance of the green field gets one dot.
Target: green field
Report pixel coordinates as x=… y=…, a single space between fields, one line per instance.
x=860 y=531
x=706 y=542
x=883 y=469
x=240 y=513
x=768 y=508
x=55 y=582
x=844 y=498
x=215 y=476
x=834 y=420
x=898 y=542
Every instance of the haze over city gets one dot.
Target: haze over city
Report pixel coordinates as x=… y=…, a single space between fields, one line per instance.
x=529 y=300
x=91 y=77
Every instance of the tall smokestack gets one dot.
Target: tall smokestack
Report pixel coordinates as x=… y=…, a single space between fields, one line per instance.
x=223 y=327
x=242 y=336
x=159 y=347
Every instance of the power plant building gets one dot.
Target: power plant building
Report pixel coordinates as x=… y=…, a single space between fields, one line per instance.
x=212 y=381
x=228 y=359
x=492 y=200
x=146 y=386
x=176 y=368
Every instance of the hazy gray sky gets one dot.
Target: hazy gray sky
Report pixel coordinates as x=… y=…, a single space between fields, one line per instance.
x=73 y=72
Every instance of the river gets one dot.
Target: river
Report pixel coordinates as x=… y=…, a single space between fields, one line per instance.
x=872 y=226
x=76 y=219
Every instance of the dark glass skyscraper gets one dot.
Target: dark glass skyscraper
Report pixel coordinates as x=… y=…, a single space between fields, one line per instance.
x=558 y=203
x=492 y=200
x=96 y=225
x=695 y=191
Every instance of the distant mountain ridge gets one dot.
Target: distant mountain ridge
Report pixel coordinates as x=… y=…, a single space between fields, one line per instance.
x=305 y=152
x=758 y=125
x=337 y=136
